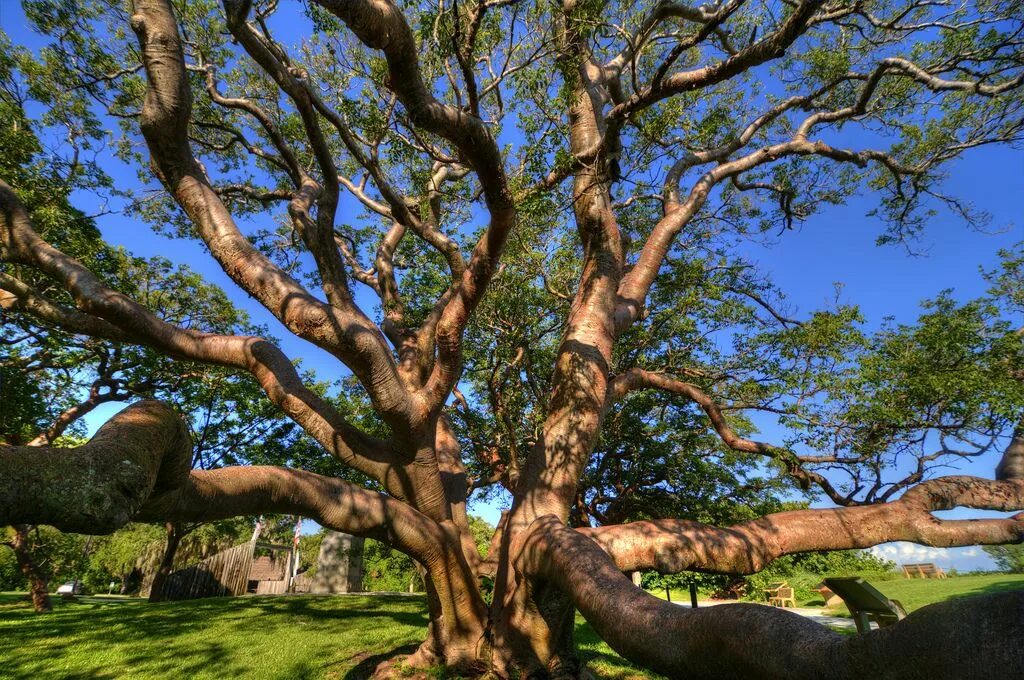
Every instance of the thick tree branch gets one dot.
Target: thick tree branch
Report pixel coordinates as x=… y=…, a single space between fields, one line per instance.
x=106 y=313
x=137 y=466
x=750 y=640
x=99 y=486
x=579 y=383
x=23 y=297
x=342 y=330
x=671 y=546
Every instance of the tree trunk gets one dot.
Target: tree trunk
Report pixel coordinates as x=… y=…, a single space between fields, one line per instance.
x=174 y=536
x=38 y=583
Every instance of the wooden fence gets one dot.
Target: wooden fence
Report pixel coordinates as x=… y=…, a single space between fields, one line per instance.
x=226 y=573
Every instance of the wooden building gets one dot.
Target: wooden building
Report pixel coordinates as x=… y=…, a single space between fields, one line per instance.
x=254 y=567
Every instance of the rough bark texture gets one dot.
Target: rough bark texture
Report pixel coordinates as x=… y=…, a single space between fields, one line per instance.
x=101 y=485
x=38 y=583
x=947 y=640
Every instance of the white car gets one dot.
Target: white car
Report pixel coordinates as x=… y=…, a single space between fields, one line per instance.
x=70 y=588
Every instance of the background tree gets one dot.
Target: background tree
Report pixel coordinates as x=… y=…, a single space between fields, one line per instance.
x=1008 y=557
x=119 y=554
x=454 y=129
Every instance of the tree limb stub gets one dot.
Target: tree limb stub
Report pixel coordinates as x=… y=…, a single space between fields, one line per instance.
x=99 y=486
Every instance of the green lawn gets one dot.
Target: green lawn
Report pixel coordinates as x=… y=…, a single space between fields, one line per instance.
x=293 y=637
x=296 y=637
x=916 y=593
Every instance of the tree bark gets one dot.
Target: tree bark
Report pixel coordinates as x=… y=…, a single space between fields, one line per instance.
x=553 y=569
x=102 y=484
x=138 y=465
x=38 y=583
x=174 y=536
x=945 y=640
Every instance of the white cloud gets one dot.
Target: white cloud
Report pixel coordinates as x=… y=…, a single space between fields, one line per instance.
x=910 y=553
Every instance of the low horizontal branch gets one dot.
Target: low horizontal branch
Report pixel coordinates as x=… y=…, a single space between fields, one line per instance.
x=754 y=641
x=671 y=546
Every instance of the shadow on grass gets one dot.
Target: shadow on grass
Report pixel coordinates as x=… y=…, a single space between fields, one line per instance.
x=365 y=668
x=1005 y=586
x=284 y=636
x=602 y=660
x=336 y=637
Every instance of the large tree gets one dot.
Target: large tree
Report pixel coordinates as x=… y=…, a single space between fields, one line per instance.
x=615 y=154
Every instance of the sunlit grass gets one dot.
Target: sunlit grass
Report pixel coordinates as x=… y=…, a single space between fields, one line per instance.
x=916 y=593
x=342 y=637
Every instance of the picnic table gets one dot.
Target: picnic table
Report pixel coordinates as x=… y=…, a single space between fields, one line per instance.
x=866 y=603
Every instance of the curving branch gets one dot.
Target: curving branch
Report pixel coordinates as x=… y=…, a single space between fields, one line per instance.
x=295 y=171
x=750 y=640
x=340 y=328
x=20 y=296
x=638 y=378
x=208 y=495
x=708 y=21
x=1011 y=465
x=772 y=46
x=671 y=546
x=637 y=282
x=381 y=25
x=137 y=467
x=105 y=313
x=575 y=410
x=101 y=485
x=75 y=412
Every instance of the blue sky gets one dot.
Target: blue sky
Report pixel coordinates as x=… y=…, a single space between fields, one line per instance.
x=836 y=246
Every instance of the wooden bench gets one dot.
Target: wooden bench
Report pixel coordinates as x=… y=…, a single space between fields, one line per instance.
x=779 y=594
x=926 y=570
x=866 y=603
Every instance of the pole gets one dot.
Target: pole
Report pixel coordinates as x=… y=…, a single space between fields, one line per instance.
x=693 y=595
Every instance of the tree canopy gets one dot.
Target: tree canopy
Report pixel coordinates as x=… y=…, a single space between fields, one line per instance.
x=518 y=228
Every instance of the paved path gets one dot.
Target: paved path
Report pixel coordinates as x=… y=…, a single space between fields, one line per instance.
x=817 y=615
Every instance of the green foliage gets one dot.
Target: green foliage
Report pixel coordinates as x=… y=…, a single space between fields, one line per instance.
x=679 y=584
x=119 y=553
x=59 y=556
x=11 y=577
x=805 y=571
x=1007 y=557
x=22 y=404
x=482 y=532
x=386 y=569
